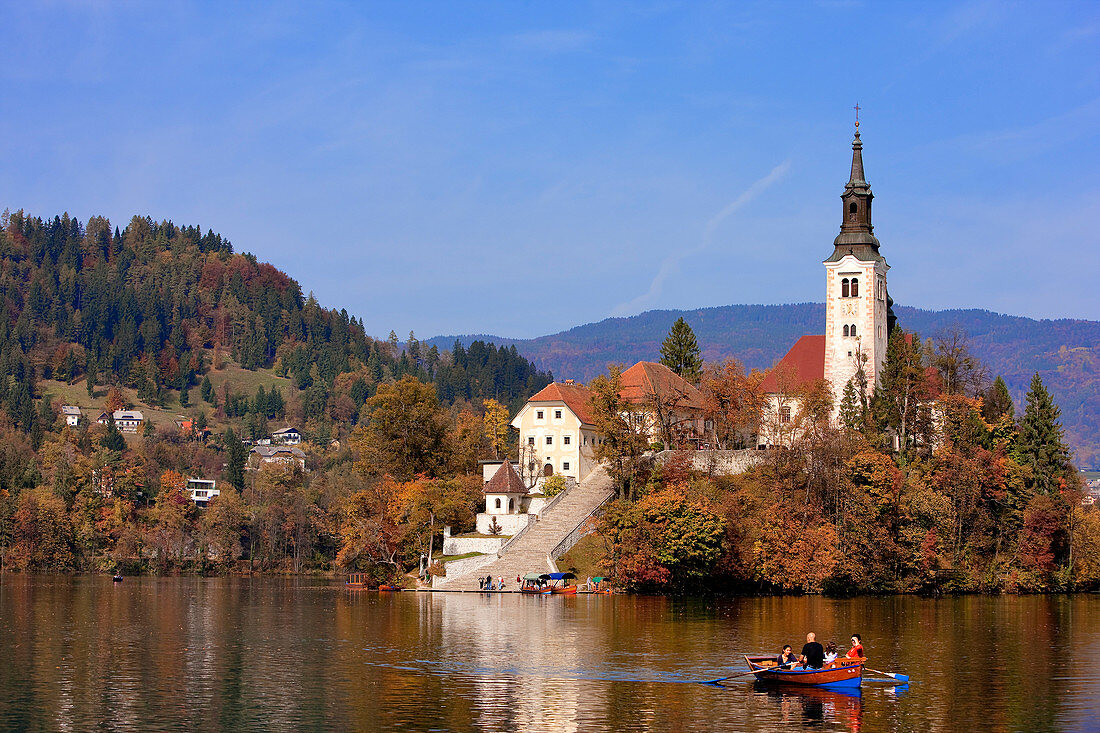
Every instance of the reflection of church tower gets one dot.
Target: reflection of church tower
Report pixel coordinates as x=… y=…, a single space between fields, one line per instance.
x=856 y=308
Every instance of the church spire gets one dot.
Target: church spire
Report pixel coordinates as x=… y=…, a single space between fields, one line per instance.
x=856 y=232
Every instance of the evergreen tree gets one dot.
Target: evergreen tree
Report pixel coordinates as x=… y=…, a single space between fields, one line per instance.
x=902 y=389
x=1040 y=445
x=207 y=390
x=237 y=455
x=851 y=412
x=680 y=351
x=113 y=440
x=997 y=402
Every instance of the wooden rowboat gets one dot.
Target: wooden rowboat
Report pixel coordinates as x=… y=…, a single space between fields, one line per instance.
x=389 y=587
x=841 y=673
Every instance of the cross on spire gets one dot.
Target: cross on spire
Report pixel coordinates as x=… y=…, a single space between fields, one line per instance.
x=857 y=114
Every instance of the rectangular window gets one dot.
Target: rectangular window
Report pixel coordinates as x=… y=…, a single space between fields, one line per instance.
x=538 y=414
x=565 y=465
x=530 y=440
x=549 y=439
x=565 y=440
x=784 y=414
x=557 y=414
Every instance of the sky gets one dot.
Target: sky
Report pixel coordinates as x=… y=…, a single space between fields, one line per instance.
x=520 y=168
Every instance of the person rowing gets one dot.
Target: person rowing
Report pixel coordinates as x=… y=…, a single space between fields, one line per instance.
x=813 y=654
x=856 y=652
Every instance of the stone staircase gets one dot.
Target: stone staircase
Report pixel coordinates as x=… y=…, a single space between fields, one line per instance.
x=528 y=553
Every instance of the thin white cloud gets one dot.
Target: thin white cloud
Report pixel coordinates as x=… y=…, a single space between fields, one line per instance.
x=671 y=264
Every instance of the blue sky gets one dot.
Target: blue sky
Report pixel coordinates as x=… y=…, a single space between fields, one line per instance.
x=520 y=168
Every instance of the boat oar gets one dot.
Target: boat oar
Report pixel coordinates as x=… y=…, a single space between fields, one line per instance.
x=902 y=678
x=744 y=674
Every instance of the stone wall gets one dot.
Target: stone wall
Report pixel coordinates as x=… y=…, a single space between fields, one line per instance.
x=510 y=524
x=465 y=566
x=462 y=545
x=719 y=462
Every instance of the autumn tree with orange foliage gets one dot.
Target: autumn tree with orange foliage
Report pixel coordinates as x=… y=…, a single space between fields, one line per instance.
x=733 y=402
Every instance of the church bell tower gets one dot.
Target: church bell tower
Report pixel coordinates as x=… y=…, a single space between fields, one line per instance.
x=856 y=301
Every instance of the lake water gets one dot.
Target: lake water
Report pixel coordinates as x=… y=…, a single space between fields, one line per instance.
x=275 y=654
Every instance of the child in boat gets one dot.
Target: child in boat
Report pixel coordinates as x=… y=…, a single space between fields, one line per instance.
x=856 y=652
x=830 y=653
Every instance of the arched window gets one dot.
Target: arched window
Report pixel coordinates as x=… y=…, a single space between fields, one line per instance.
x=498 y=503
x=852 y=208
x=511 y=505
x=855 y=287
x=844 y=288
x=846 y=329
x=853 y=329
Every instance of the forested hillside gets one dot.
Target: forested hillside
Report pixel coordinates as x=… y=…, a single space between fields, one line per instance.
x=1066 y=353
x=156 y=309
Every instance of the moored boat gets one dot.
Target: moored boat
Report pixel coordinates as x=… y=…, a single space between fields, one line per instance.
x=559 y=583
x=356 y=581
x=599 y=585
x=841 y=673
x=533 y=585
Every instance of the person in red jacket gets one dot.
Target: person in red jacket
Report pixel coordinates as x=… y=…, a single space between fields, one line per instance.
x=856 y=652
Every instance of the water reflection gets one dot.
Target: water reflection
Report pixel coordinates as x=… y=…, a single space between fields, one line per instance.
x=814 y=705
x=289 y=654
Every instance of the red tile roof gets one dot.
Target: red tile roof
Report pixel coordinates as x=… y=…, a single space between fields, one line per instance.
x=575 y=397
x=647 y=379
x=505 y=481
x=805 y=363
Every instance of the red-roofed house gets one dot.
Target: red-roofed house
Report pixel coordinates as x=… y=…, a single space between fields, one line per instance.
x=556 y=426
x=672 y=407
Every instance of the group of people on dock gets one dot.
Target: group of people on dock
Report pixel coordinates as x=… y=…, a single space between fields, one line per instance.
x=487 y=583
x=815 y=656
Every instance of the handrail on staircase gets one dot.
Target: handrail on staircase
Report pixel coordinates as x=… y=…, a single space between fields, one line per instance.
x=565 y=545
x=536 y=517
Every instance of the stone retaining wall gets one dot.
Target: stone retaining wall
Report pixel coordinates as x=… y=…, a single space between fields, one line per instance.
x=465 y=566
x=462 y=545
x=719 y=462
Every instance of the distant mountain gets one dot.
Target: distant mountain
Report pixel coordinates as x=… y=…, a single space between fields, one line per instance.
x=1065 y=352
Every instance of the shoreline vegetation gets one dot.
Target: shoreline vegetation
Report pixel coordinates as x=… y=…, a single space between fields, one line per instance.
x=929 y=482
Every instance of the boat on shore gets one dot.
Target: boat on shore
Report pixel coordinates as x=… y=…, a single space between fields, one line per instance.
x=841 y=673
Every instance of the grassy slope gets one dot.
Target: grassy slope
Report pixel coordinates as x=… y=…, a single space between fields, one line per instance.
x=584 y=559
x=240 y=381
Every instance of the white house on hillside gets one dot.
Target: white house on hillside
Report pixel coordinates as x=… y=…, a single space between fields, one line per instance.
x=127 y=421
x=202 y=490
x=286 y=436
x=72 y=415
